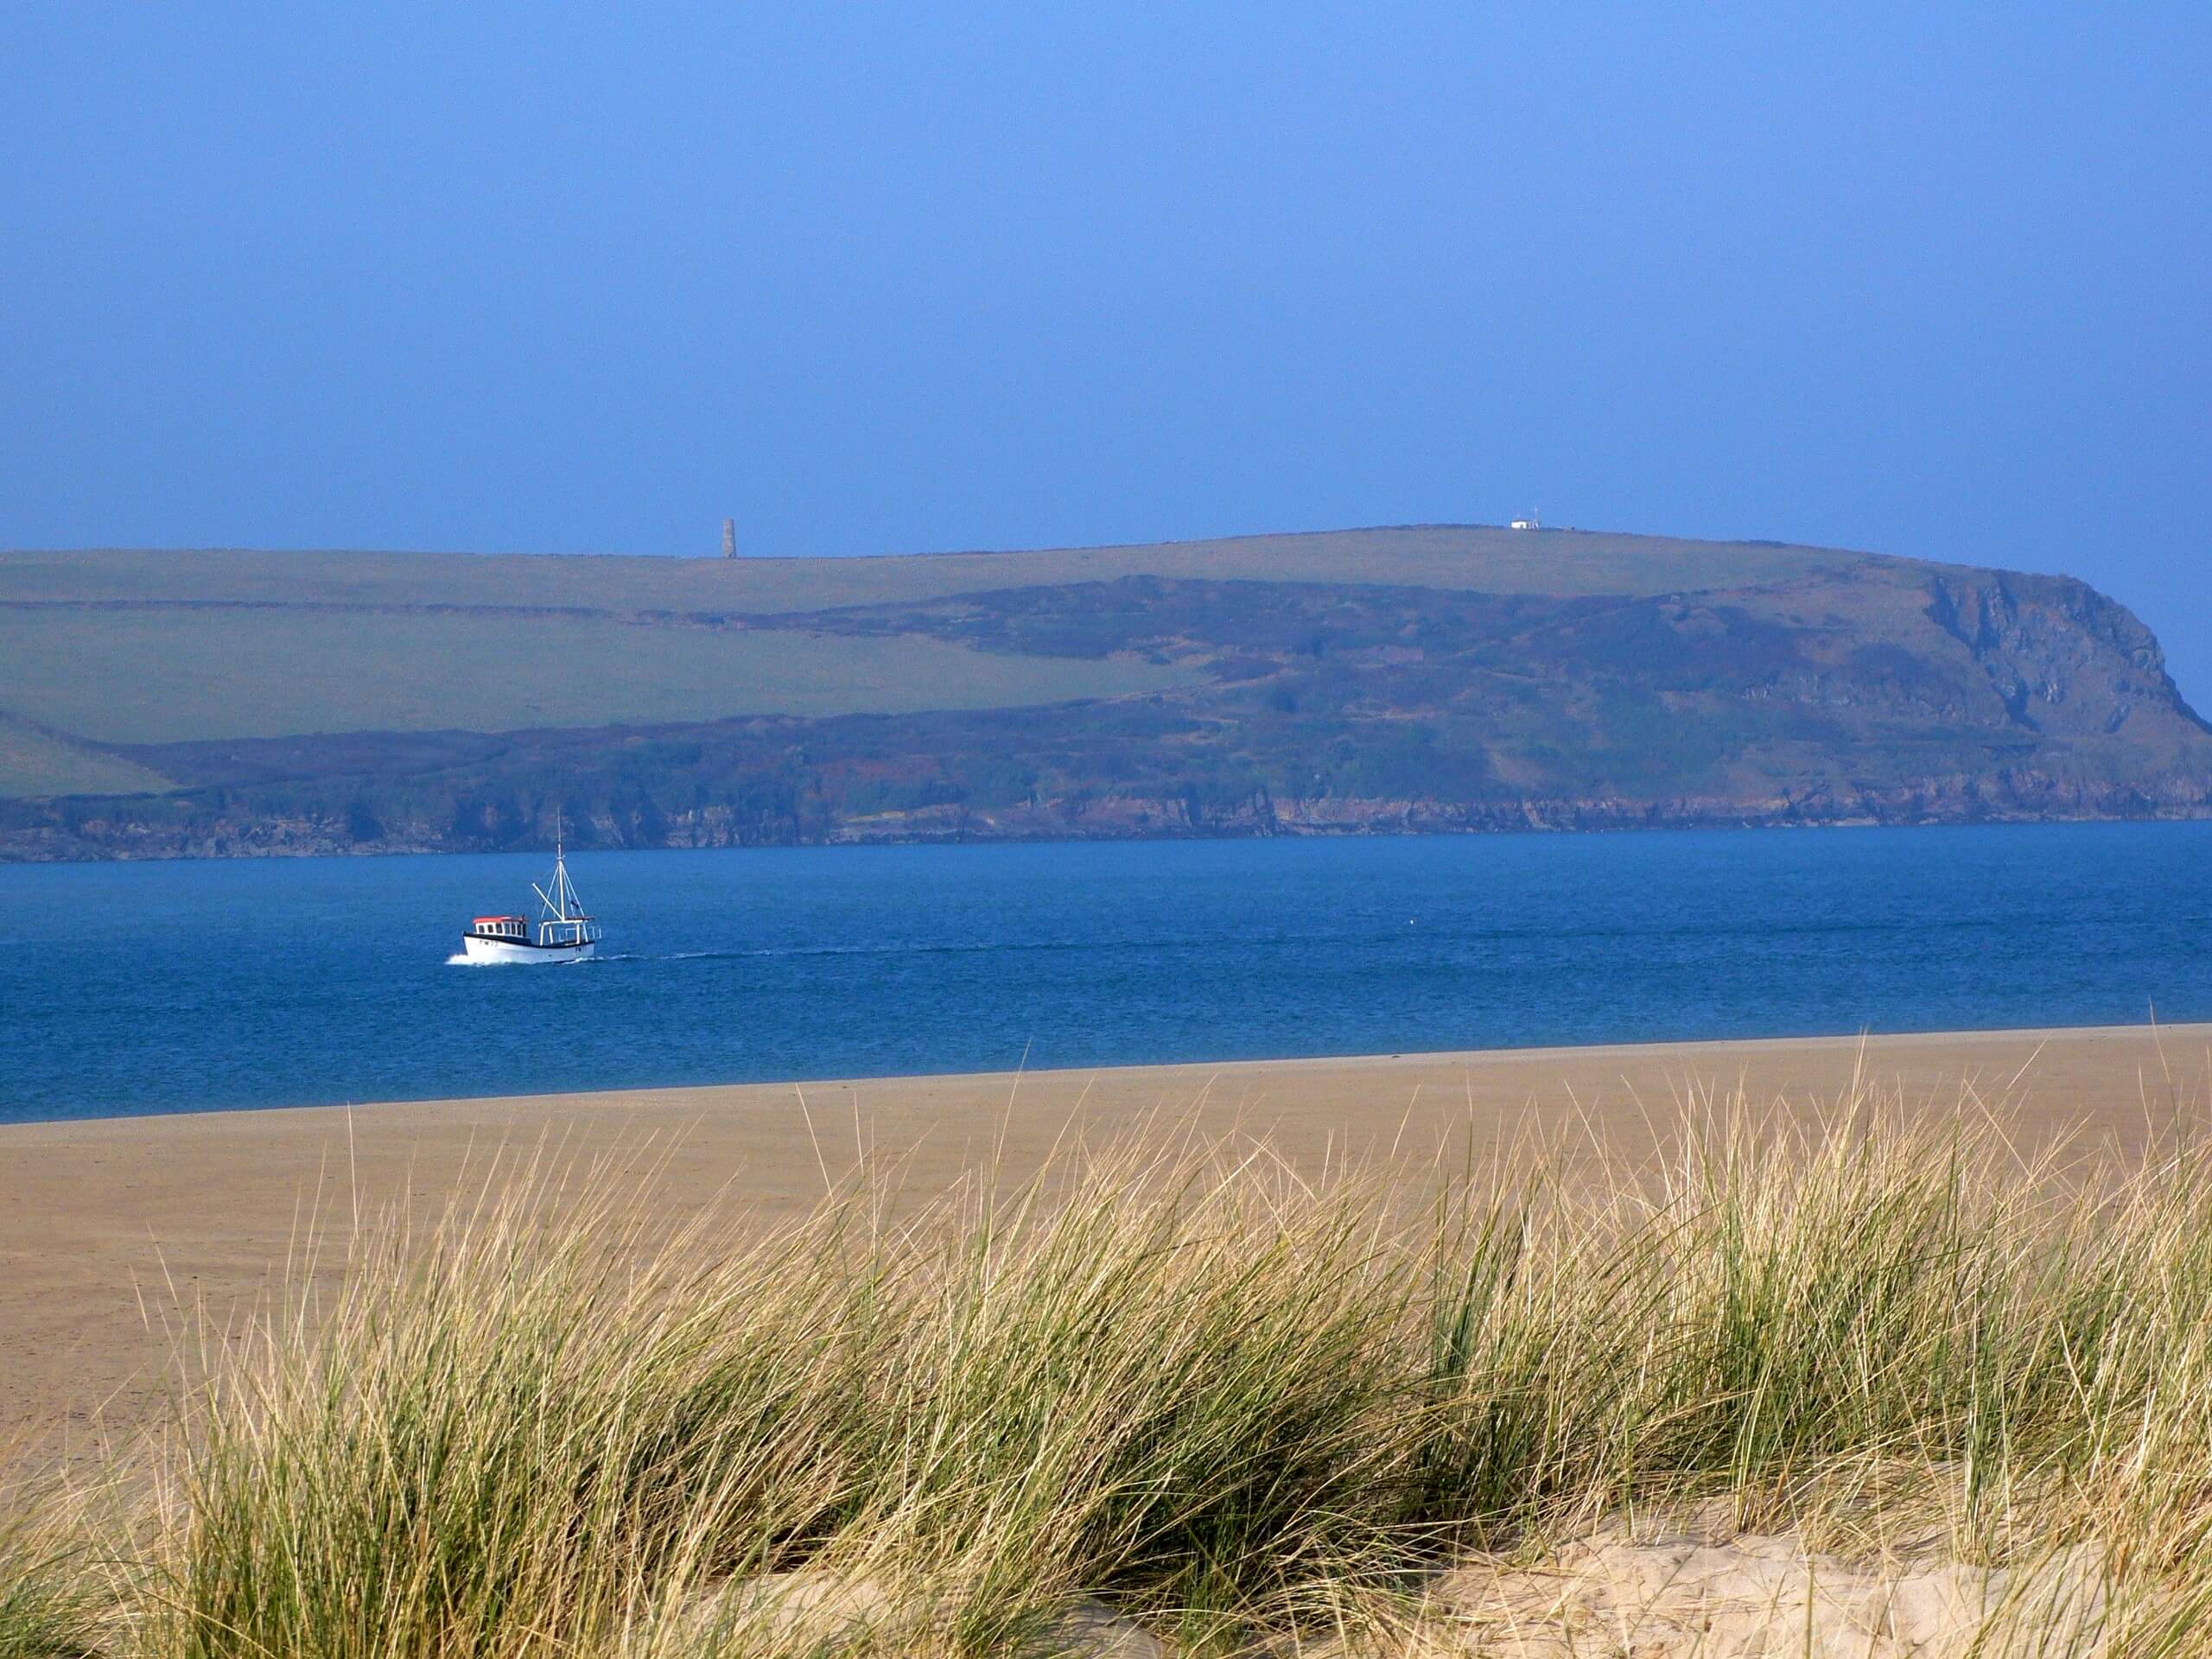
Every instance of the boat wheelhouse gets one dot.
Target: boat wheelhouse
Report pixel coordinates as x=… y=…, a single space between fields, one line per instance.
x=565 y=931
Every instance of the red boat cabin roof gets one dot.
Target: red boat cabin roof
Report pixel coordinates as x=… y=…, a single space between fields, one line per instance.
x=481 y=920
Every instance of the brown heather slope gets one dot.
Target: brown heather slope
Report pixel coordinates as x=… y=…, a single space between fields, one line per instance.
x=1430 y=678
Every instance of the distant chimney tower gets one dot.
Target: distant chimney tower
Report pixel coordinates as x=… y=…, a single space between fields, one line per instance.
x=729 y=538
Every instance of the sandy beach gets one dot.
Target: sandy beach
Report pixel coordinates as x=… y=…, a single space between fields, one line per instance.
x=108 y=1227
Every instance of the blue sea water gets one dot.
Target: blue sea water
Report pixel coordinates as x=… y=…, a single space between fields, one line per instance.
x=169 y=987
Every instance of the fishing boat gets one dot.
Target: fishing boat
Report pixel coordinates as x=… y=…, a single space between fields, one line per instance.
x=563 y=931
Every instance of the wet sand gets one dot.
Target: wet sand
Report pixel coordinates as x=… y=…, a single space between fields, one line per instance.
x=109 y=1227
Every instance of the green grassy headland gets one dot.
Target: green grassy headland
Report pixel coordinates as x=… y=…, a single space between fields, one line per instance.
x=1433 y=677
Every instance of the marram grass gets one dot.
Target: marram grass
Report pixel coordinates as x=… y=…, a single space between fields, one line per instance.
x=48 y=1606
x=1224 y=1398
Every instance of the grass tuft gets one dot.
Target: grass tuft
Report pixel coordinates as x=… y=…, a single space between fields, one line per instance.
x=49 y=1608
x=1185 y=1387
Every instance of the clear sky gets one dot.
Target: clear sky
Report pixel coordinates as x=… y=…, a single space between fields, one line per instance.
x=1930 y=280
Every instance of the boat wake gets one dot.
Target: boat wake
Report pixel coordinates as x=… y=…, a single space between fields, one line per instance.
x=462 y=959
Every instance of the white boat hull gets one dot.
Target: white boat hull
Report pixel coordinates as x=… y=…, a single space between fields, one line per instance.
x=477 y=949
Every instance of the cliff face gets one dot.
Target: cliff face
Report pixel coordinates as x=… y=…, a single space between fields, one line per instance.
x=1835 y=690
x=2061 y=656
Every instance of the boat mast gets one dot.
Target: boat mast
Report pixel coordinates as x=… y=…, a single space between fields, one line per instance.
x=563 y=896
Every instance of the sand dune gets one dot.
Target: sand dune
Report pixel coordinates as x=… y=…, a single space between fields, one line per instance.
x=108 y=1228
x=115 y=1234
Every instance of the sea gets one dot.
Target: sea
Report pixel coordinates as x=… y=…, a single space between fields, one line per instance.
x=187 y=986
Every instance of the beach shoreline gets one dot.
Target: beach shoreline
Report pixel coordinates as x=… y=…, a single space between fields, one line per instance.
x=115 y=1232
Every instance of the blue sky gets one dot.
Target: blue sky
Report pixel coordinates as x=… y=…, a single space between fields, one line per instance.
x=892 y=278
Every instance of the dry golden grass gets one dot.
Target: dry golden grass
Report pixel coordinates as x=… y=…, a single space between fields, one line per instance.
x=1173 y=1395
